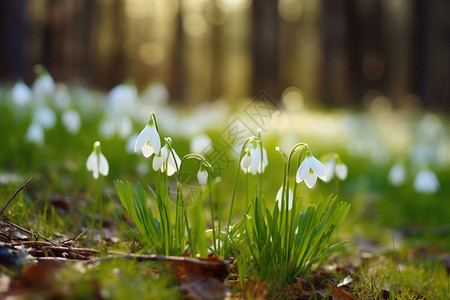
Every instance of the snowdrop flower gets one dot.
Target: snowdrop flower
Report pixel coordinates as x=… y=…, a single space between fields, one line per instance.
x=62 y=97
x=309 y=170
x=148 y=140
x=166 y=161
x=334 y=165
x=71 y=120
x=426 y=182
x=200 y=143
x=107 y=129
x=21 y=94
x=397 y=175
x=96 y=162
x=130 y=143
x=123 y=99
x=280 y=195
x=252 y=162
x=124 y=127
x=330 y=167
x=44 y=85
x=157 y=94
x=35 y=134
x=202 y=175
x=45 y=116
x=341 y=170
x=245 y=162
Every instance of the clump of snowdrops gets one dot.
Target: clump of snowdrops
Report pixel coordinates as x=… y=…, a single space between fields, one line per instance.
x=282 y=239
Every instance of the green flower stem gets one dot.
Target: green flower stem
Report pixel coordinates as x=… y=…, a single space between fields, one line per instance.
x=180 y=191
x=241 y=155
x=296 y=148
x=212 y=215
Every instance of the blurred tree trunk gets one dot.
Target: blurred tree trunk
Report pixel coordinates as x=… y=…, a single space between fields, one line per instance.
x=176 y=82
x=13 y=60
x=355 y=55
x=432 y=52
x=265 y=48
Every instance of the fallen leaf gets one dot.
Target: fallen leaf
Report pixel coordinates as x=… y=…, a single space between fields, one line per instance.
x=339 y=294
x=203 y=278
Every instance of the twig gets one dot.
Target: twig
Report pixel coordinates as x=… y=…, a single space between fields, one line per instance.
x=14 y=195
x=75 y=238
x=71 y=249
x=157 y=257
x=19 y=227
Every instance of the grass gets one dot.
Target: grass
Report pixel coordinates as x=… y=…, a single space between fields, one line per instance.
x=60 y=200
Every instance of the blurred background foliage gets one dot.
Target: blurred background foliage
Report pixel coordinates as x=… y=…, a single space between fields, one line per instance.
x=337 y=52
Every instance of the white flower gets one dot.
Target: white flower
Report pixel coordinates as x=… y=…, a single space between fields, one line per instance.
x=21 y=94
x=130 y=143
x=148 y=141
x=309 y=170
x=124 y=127
x=35 y=134
x=96 y=162
x=202 y=176
x=279 y=198
x=200 y=143
x=123 y=99
x=71 y=120
x=166 y=161
x=245 y=162
x=426 y=182
x=44 y=85
x=62 y=97
x=107 y=129
x=157 y=94
x=397 y=175
x=252 y=162
x=330 y=167
x=45 y=116
x=341 y=171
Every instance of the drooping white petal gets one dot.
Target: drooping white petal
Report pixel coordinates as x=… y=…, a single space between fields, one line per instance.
x=341 y=171
x=164 y=152
x=107 y=129
x=130 y=143
x=157 y=163
x=142 y=139
x=426 y=182
x=21 y=94
x=44 y=85
x=171 y=166
x=45 y=116
x=310 y=180
x=124 y=127
x=255 y=154
x=245 y=162
x=279 y=198
x=35 y=134
x=317 y=167
x=154 y=139
x=71 y=120
x=397 y=175
x=303 y=170
x=147 y=150
x=329 y=169
x=103 y=165
x=91 y=162
x=122 y=99
x=202 y=177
